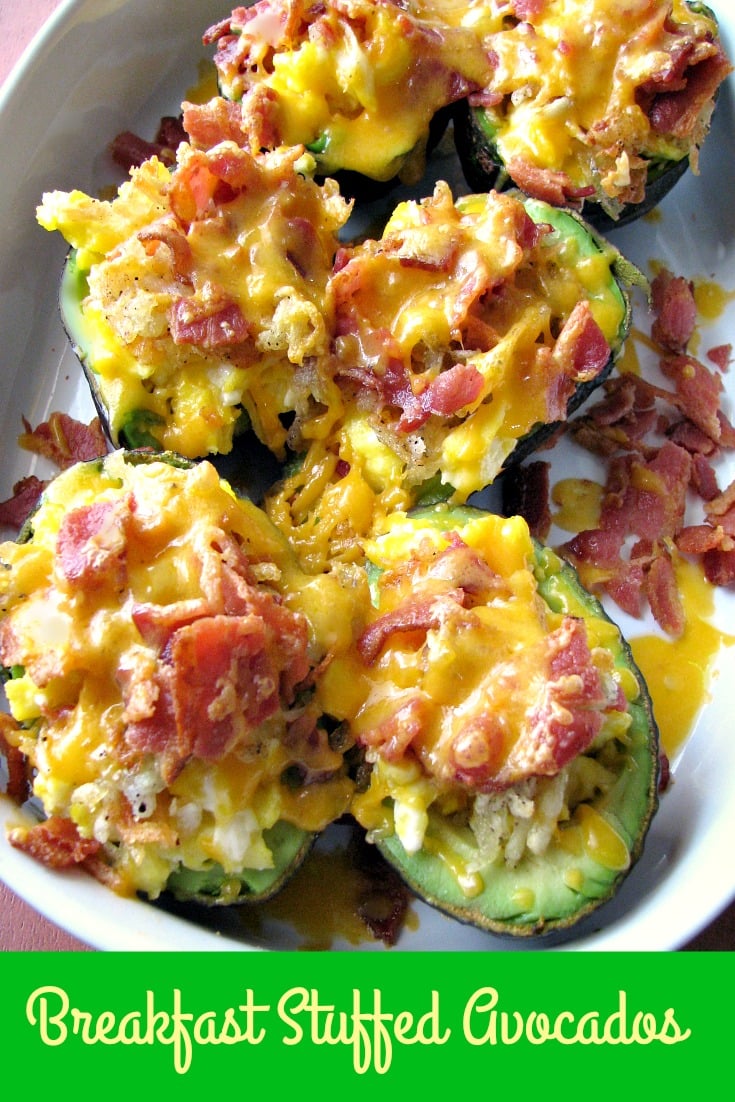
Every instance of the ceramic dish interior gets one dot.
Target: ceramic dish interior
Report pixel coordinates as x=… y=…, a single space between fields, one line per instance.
x=96 y=69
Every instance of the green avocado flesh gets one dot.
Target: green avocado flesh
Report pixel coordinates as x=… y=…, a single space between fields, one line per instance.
x=138 y=429
x=555 y=890
x=289 y=846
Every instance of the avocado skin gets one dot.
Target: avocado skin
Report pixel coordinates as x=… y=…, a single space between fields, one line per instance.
x=629 y=808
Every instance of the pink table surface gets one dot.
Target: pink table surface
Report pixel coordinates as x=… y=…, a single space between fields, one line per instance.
x=21 y=927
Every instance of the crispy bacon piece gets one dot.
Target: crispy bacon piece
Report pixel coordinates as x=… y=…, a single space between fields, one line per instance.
x=562 y=723
x=18 y=785
x=420 y=614
x=218 y=120
x=207 y=325
x=218 y=679
x=91 y=545
x=581 y=348
x=704 y=478
x=663 y=595
x=720 y=356
x=646 y=499
x=676 y=311
x=719 y=566
x=680 y=100
x=451 y=391
x=527 y=9
x=383 y=900
x=698 y=392
x=395 y=734
x=55 y=842
x=226 y=662
x=659 y=444
x=546 y=184
x=64 y=440
x=130 y=150
x=225 y=670
x=172 y=236
x=721 y=510
x=569 y=714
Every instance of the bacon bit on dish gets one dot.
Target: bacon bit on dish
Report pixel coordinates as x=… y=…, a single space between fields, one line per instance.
x=64 y=440
x=15 y=511
x=660 y=446
x=129 y=150
x=56 y=843
x=675 y=309
x=720 y=356
x=383 y=899
x=18 y=785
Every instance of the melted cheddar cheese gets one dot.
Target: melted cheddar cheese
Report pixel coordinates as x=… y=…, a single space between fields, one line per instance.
x=451 y=291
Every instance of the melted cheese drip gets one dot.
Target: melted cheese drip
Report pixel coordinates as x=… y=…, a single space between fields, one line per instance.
x=678 y=671
x=321 y=903
x=579 y=501
x=711 y=298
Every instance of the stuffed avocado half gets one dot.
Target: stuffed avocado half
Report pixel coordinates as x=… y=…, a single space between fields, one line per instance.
x=468 y=331
x=159 y=664
x=590 y=108
x=511 y=746
x=364 y=86
x=196 y=298
x=463 y=336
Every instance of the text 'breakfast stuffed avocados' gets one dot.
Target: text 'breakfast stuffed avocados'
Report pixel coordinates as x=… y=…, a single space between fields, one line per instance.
x=160 y=678
x=512 y=745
